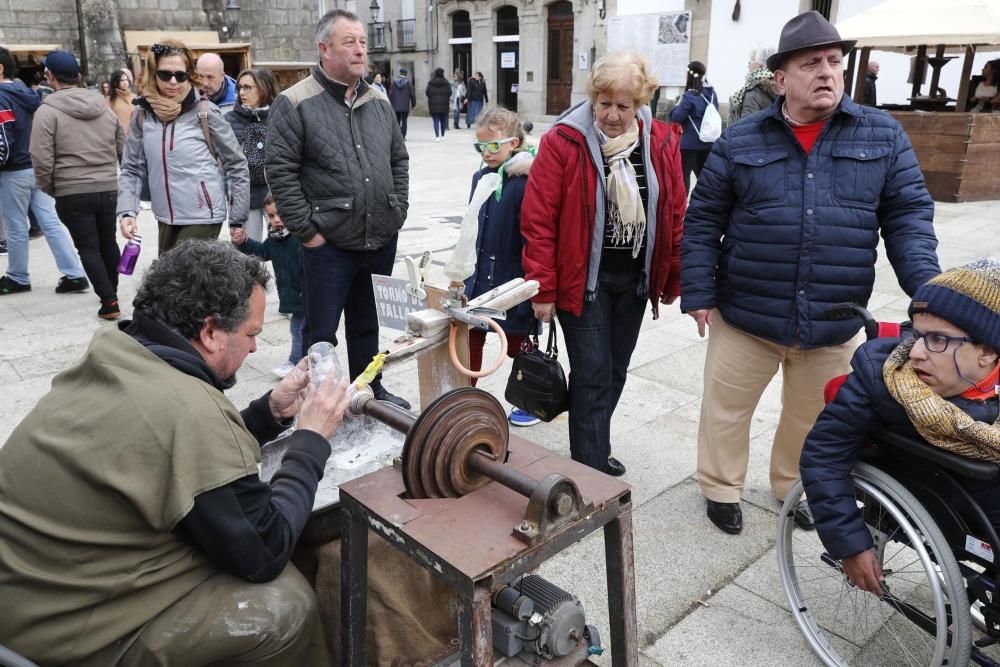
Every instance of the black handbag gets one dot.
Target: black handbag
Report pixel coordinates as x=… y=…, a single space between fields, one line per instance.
x=537 y=383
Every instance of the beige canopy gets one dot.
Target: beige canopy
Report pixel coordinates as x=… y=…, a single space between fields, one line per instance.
x=901 y=25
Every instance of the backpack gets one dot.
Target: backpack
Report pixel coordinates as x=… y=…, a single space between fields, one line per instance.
x=253 y=148
x=711 y=123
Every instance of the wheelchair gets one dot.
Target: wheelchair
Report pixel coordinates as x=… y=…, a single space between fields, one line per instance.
x=939 y=561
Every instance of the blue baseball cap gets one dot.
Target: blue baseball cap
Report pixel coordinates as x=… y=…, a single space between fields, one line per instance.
x=61 y=64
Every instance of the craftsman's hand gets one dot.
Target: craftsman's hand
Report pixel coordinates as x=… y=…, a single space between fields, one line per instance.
x=863 y=570
x=316 y=241
x=703 y=317
x=286 y=398
x=323 y=409
x=238 y=236
x=128 y=227
x=544 y=311
x=667 y=300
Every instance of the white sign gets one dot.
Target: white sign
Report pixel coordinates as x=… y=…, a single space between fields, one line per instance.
x=393 y=303
x=664 y=38
x=508 y=59
x=583 y=60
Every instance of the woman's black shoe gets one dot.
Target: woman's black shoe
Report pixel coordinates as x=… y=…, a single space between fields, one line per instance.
x=615 y=467
x=727 y=516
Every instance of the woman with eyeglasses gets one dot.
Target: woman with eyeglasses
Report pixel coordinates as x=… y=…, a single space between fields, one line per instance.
x=197 y=171
x=602 y=221
x=500 y=142
x=256 y=89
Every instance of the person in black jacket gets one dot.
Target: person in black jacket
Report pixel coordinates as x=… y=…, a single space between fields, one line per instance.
x=476 y=94
x=438 y=102
x=941 y=384
x=871 y=96
x=403 y=98
x=256 y=89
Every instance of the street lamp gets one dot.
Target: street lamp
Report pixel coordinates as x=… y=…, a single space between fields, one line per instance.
x=373 y=8
x=232 y=18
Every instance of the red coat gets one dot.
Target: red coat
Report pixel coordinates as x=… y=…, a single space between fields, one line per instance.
x=557 y=217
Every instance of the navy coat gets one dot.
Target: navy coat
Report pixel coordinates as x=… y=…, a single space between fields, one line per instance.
x=688 y=114
x=498 y=249
x=773 y=236
x=862 y=406
x=286 y=257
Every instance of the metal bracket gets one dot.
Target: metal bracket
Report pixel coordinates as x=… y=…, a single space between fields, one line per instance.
x=555 y=502
x=471 y=316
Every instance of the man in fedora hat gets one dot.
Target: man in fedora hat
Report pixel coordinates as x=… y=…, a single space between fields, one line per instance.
x=784 y=222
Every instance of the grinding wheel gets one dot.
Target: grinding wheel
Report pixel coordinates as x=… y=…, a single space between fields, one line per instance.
x=438 y=446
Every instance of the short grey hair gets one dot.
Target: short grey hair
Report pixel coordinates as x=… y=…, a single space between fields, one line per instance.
x=199 y=279
x=325 y=26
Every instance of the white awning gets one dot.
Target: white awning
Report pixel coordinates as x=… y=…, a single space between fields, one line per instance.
x=900 y=25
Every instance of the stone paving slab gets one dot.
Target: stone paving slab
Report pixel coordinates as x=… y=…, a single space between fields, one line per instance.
x=680 y=556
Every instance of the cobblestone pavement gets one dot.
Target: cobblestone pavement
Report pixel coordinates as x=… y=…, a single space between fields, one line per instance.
x=703 y=597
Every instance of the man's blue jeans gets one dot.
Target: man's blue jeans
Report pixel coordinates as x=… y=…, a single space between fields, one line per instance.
x=340 y=281
x=17 y=193
x=599 y=343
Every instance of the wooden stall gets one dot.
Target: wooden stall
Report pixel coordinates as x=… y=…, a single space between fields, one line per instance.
x=958 y=151
x=287 y=74
x=29 y=60
x=235 y=56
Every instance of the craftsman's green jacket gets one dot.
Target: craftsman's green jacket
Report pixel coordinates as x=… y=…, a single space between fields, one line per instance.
x=92 y=484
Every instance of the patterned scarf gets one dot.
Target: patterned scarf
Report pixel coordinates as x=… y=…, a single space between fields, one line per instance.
x=166 y=108
x=622 y=187
x=939 y=422
x=753 y=78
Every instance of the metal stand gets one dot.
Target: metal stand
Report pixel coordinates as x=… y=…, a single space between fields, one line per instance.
x=467 y=542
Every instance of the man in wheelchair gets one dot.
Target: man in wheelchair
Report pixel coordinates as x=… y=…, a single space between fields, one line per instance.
x=940 y=384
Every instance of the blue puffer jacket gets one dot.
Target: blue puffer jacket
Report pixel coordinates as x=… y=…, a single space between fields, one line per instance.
x=862 y=406
x=689 y=113
x=773 y=236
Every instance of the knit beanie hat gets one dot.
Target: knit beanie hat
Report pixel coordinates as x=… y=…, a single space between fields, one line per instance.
x=968 y=297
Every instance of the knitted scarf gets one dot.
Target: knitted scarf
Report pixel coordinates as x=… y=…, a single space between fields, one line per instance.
x=939 y=422
x=622 y=187
x=166 y=108
x=753 y=78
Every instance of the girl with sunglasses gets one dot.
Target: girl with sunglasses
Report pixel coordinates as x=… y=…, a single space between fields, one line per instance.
x=179 y=141
x=500 y=141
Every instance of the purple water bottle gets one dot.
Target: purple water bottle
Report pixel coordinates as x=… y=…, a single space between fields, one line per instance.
x=129 y=256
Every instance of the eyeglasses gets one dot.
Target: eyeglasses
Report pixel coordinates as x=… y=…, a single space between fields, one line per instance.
x=246 y=87
x=166 y=75
x=938 y=342
x=491 y=146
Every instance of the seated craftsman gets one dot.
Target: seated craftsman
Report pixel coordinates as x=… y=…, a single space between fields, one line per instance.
x=134 y=528
x=940 y=384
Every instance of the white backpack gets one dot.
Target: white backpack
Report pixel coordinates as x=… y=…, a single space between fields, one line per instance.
x=711 y=122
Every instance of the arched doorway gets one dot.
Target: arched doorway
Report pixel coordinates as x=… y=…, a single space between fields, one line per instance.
x=508 y=56
x=559 y=78
x=461 y=43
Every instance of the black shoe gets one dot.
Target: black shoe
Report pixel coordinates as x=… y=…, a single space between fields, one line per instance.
x=69 y=285
x=34 y=232
x=3 y=248
x=727 y=516
x=615 y=467
x=381 y=394
x=109 y=311
x=8 y=286
x=803 y=516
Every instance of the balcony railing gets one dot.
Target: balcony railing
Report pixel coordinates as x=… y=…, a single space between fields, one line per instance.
x=378 y=36
x=406 y=36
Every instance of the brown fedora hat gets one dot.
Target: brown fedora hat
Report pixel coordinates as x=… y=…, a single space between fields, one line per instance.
x=807 y=31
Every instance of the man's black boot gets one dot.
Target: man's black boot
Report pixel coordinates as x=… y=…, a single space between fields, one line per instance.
x=727 y=516
x=381 y=394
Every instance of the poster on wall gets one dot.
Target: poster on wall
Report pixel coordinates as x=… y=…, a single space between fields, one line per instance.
x=508 y=59
x=664 y=38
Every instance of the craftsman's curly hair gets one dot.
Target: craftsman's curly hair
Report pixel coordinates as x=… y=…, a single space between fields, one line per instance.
x=199 y=279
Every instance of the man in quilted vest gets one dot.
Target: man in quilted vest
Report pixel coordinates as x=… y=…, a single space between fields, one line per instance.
x=338 y=168
x=134 y=527
x=785 y=222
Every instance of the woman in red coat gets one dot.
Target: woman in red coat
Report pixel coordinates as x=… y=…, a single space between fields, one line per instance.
x=602 y=221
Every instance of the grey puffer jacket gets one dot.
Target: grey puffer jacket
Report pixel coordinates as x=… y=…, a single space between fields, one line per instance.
x=337 y=170
x=185 y=183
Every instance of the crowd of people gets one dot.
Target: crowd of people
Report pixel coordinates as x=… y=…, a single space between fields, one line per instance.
x=784 y=220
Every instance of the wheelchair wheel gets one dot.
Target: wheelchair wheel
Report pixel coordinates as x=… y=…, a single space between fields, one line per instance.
x=845 y=625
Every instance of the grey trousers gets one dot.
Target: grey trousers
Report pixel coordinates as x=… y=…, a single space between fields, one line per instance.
x=227 y=621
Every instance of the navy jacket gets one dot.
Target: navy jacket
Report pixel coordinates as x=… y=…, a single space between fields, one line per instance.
x=688 y=114
x=286 y=258
x=499 y=245
x=17 y=109
x=862 y=406
x=241 y=119
x=773 y=236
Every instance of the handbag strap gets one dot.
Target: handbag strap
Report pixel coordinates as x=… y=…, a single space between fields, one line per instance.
x=552 y=348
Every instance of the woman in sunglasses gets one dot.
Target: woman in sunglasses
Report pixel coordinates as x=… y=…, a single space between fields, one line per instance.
x=500 y=140
x=256 y=89
x=179 y=141
x=602 y=221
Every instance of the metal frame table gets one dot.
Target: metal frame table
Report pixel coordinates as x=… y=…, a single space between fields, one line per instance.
x=468 y=543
